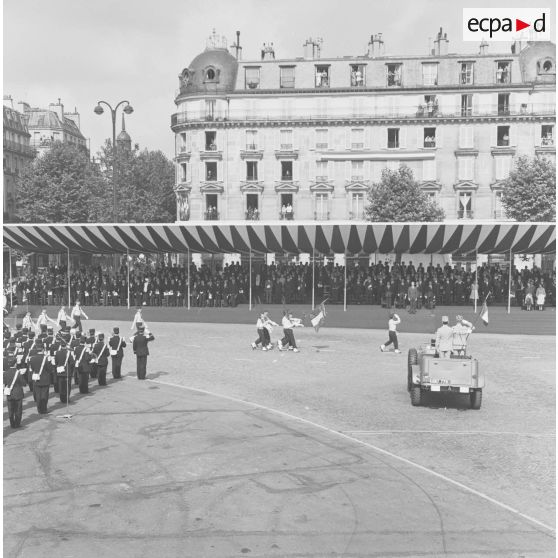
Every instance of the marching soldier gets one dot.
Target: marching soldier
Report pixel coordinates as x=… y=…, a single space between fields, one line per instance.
x=101 y=352
x=52 y=344
x=81 y=365
x=74 y=344
x=40 y=367
x=13 y=389
x=141 y=350
x=30 y=350
x=64 y=361
x=92 y=362
x=116 y=344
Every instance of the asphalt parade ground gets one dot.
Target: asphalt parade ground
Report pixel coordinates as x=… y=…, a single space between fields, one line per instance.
x=224 y=451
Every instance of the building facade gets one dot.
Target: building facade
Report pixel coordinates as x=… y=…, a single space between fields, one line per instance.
x=305 y=138
x=18 y=153
x=53 y=124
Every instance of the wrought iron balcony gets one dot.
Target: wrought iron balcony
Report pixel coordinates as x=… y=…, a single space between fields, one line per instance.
x=287 y=216
x=464 y=214
x=211 y=215
x=321 y=215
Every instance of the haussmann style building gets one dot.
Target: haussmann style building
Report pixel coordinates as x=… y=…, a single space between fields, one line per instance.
x=304 y=138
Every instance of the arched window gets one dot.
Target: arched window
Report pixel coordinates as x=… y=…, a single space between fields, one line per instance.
x=211 y=74
x=546 y=66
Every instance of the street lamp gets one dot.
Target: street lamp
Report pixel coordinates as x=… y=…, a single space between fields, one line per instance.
x=128 y=109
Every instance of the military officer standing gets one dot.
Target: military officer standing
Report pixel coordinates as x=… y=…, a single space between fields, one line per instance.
x=90 y=341
x=141 y=350
x=116 y=344
x=444 y=338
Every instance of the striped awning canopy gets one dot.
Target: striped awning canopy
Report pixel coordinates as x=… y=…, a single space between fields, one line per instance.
x=342 y=237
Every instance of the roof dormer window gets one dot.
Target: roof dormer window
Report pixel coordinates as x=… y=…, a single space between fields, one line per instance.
x=211 y=75
x=546 y=66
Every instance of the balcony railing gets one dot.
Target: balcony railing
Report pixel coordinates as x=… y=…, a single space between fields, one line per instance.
x=286 y=147
x=210 y=147
x=10 y=145
x=358 y=145
x=353 y=215
x=321 y=146
x=321 y=215
x=211 y=215
x=464 y=214
x=251 y=178
x=503 y=110
x=251 y=147
x=547 y=142
x=210 y=177
x=274 y=115
x=286 y=216
x=429 y=143
x=357 y=178
x=499 y=214
x=252 y=215
x=321 y=178
x=503 y=142
x=287 y=177
x=427 y=111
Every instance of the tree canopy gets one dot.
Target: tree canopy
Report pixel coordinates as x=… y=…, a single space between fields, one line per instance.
x=64 y=186
x=529 y=193
x=399 y=197
x=61 y=186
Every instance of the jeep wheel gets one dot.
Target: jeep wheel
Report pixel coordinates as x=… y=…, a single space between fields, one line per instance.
x=476 y=399
x=412 y=358
x=416 y=396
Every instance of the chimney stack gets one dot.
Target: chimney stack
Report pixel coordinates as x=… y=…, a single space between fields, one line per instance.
x=376 y=46
x=441 y=43
x=313 y=48
x=58 y=108
x=483 y=47
x=268 y=52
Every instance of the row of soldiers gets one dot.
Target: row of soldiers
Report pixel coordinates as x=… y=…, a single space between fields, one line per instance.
x=49 y=359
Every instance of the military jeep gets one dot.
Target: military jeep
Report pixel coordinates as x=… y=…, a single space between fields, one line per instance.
x=428 y=372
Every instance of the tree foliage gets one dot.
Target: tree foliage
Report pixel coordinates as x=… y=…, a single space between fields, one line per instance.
x=398 y=197
x=529 y=192
x=144 y=185
x=61 y=186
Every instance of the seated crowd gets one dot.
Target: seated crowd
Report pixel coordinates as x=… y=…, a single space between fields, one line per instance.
x=389 y=285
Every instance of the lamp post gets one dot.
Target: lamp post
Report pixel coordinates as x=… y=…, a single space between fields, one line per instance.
x=99 y=110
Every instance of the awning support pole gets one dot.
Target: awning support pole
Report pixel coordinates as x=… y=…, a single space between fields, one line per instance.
x=313 y=276
x=188 y=265
x=250 y=283
x=69 y=291
x=345 y=287
x=11 y=285
x=476 y=294
x=128 y=274
x=510 y=282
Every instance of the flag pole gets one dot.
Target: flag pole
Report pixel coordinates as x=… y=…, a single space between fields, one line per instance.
x=476 y=294
x=345 y=287
x=313 y=276
x=510 y=282
x=188 y=265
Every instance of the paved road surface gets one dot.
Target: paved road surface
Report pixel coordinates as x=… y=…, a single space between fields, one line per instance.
x=331 y=461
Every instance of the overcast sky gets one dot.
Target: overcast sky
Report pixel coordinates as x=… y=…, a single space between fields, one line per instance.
x=83 y=51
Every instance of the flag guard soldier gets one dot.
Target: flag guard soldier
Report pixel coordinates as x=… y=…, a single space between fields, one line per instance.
x=40 y=367
x=116 y=344
x=30 y=350
x=14 y=381
x=101 y=354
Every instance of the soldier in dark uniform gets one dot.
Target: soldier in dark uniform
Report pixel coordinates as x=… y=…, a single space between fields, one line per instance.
x=40 y=367
x=141 y=350
x=82 y=366
x=52 y=344
x=63 y=362
x=74 y=344
x=116 y=344
x=90 y=341
x=101 y=352
x=30 y=350
x=15 y=380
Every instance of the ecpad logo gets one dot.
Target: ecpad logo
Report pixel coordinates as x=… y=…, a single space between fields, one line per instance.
x=506 y=24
